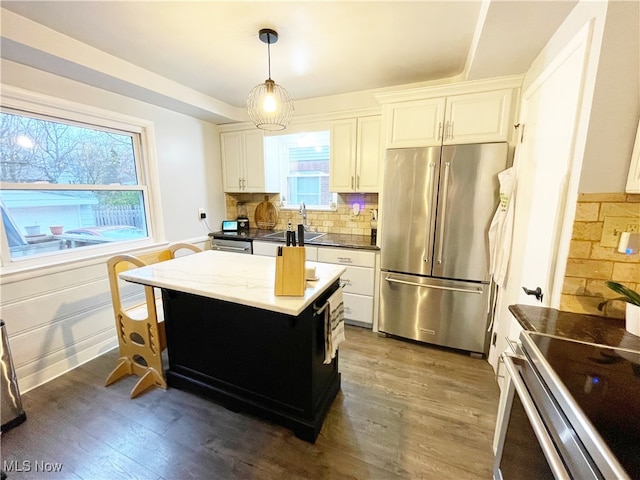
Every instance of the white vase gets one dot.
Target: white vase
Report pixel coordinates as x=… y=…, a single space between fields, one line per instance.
x=632 y=319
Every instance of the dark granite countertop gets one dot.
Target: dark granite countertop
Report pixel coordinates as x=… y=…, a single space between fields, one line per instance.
x=605 y=331
x=325 y=240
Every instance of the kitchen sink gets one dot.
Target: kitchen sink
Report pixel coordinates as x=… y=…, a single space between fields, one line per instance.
x=308 y=236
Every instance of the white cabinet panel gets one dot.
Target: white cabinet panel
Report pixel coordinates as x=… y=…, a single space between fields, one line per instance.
x=358 y=308
x=369 y=154
x=478 y=117
x=231 y=145
x=347 y=256
x=244 y=165
x=356 y=155
x=468 y=118
x=358 y=280
x=269 y=249
x=415 y=124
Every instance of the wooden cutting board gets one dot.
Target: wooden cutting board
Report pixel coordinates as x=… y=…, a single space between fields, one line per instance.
x=266 y=215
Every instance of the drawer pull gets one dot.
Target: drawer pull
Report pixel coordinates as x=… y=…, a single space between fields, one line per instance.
x=347 y=281
x=345 y=260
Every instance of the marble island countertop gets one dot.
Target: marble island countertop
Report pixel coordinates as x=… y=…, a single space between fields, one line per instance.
x=605 y=331
x=343 y=240
x=244 y=279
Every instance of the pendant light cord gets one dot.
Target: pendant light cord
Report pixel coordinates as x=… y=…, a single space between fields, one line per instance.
x=269 y=53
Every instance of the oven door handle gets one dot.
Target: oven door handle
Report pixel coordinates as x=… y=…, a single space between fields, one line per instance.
x=547 y=445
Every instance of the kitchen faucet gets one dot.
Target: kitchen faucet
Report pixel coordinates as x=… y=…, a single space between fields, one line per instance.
x=303 y=212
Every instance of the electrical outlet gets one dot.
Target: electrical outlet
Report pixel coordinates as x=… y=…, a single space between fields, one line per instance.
x=201 y=214
x=614 y=226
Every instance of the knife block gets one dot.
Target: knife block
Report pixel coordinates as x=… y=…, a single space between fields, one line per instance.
x=290 y=272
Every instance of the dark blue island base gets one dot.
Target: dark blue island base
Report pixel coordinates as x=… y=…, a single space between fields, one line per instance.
x=252 y=360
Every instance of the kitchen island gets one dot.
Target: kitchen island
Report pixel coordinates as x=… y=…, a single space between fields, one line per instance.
x=231 y=339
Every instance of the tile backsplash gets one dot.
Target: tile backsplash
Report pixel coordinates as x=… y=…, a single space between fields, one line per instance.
x=342 y=220
x=592 y=257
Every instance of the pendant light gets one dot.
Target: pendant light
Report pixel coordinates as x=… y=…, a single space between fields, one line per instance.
x=269 y=105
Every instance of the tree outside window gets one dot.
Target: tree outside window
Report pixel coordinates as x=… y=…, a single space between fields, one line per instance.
x=66 y=184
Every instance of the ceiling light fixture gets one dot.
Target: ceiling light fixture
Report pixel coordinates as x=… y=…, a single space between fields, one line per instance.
x=269 y=105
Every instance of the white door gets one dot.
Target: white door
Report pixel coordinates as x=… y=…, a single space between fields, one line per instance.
x=545 y=161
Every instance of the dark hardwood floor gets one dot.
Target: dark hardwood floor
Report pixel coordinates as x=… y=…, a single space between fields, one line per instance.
x=405 y=411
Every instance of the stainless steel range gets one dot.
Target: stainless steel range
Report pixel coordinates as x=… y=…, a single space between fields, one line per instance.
x=572 y=411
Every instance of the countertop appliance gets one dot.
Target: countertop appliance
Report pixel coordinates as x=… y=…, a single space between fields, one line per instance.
x=243 y=218
x=437 y=205
x=571 y=411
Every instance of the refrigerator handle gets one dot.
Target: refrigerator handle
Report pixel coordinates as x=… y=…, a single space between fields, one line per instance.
x=431 y=179
x=437 y=287
x=443 y=210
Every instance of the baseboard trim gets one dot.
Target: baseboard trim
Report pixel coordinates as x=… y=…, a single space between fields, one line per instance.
x=56 y=369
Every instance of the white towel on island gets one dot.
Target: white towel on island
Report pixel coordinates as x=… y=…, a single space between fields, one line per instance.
x=333 y=325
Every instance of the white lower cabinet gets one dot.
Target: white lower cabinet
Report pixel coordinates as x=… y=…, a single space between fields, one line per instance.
x=358 y=279
x=358 y=309
x=269 y=249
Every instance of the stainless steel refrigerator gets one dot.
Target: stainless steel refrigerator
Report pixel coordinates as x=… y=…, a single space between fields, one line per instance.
x=437 y=205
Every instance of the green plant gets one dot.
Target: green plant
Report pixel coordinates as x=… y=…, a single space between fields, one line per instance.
x=628 y=295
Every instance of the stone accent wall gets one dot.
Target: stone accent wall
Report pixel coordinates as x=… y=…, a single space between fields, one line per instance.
x=590 y=264
x=340 y=221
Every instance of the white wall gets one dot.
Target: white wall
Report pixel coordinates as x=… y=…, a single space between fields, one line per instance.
x=616 y=102
x=61 y=316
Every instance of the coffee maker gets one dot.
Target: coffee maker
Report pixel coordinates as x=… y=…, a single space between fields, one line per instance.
x=243 y=218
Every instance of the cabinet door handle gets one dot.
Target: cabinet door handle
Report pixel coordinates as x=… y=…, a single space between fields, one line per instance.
x=357 y=182
x=439 y=130
x=352 y=186
x=239 y=183
x=447 y=127
x=451 y=131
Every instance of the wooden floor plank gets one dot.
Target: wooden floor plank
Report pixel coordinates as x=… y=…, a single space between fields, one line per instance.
x=405 y=411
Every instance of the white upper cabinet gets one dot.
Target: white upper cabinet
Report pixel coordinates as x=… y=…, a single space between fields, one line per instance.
x=244 y=168
x=415 y=124
x=355 y=155
x=478 y=117
x=468 y=118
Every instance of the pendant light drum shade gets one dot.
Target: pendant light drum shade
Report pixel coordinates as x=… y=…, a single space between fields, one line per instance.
x=269 y=105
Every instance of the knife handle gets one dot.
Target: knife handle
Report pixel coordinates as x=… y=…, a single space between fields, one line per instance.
x=301 y=235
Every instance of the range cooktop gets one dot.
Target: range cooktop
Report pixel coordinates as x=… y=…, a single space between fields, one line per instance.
x=603 y=383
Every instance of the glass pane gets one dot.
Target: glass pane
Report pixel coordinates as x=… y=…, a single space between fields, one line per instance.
x=304 y=189
x=304 y=158
x=36 y=150
x=48 y=221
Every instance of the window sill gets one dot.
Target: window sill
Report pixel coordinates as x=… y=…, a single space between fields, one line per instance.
x=40 y=266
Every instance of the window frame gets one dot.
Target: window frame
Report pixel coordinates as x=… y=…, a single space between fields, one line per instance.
x=283 y=156
x=16 y=101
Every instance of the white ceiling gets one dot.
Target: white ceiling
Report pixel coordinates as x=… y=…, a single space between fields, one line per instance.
x=325 y=48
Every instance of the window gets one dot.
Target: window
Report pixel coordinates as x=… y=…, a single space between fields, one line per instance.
x=69 y=182
x=304 y=163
